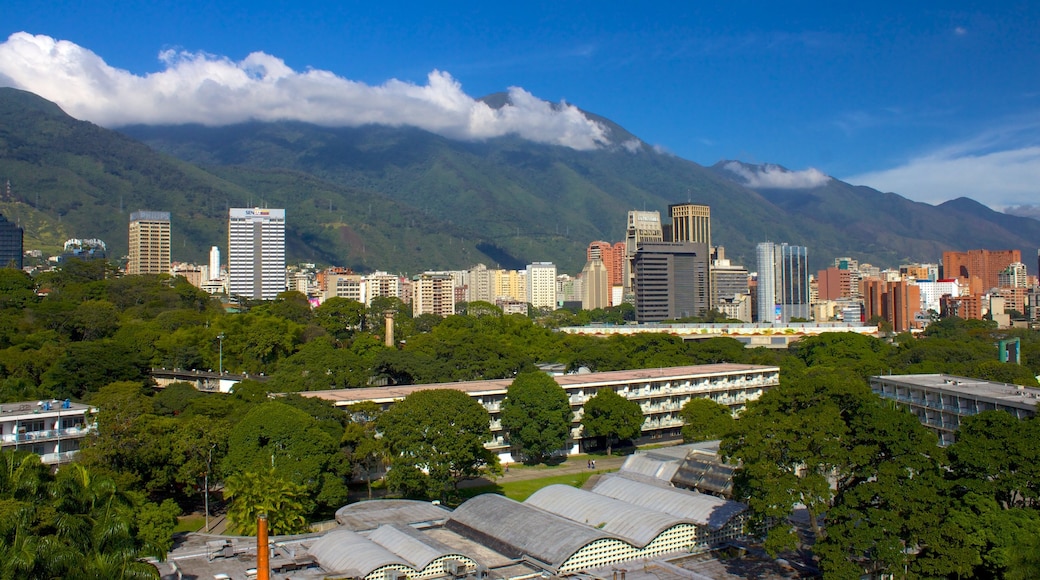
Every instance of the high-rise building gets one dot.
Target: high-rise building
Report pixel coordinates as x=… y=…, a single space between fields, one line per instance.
x=480 y=286
x=834 y=284
x=541 y=285
x=10 y=244
x=783 y=282
x=727 y=281
x=978 y=269
x=671 y=280
x=691 y=223
x=149 y=243
x=214 y=263
x=433 y=293
x=898 y=303
x=382 y=284
x=595 y=291
x=643 y=226
x=341 y=283
x=1014 y=276
x=613 y=257
x=256 y=253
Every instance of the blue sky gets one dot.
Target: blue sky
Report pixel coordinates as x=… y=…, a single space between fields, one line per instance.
x=933 y=101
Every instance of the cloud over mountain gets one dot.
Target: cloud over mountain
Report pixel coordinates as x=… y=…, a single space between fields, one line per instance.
x=996 y=178
x=771 y=176
x=213 y=90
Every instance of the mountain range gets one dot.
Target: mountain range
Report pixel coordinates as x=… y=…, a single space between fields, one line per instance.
x=403 y=199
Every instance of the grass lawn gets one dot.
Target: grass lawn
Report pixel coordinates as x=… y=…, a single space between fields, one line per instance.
x=521 y=490
x=192 y=523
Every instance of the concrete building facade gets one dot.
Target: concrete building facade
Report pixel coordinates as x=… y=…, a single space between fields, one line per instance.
x=149 y=243
x=643 y=226
x=691 y=223
x=661 y=394
x=541 y=285
x=978 y=269
x=51 y=429
x=256 y=253
x=433 y=293
x=671 y=281
x=941 y=401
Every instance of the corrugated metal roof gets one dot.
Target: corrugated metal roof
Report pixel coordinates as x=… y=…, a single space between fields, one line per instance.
x=408 y=543
x=636 y=525
x=650 y=466
x=370 y=514
x=348 y=553
x=516 y=529
x=705 y=510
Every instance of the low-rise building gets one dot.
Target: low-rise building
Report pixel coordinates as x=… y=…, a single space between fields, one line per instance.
x=51 y=429
x=940 y=401
x=661 y=394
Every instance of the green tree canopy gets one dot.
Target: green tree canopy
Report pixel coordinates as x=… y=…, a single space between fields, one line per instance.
x=276 y=435
x=441 y=432
x=536 y=414
x=611 y=416
x=704 y=420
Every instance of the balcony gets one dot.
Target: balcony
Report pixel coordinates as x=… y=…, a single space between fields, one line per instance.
x=58 y=458
x=46 y=435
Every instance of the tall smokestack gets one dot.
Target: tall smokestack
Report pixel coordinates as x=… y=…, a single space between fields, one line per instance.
x=388 y=317
x=263 y=551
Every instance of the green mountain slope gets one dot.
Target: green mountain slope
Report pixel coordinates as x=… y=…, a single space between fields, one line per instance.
x=74 y=179
x=896 y=229
x=403 y=199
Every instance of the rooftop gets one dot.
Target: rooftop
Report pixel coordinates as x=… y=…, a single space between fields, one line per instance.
x=393 y=393
x=1003 y=393
x=50 y=407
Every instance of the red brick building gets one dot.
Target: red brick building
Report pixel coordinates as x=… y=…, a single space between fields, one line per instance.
x=978 y=269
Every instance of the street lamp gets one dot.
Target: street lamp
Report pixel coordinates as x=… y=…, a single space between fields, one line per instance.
x=209 y=461
x=220 y=361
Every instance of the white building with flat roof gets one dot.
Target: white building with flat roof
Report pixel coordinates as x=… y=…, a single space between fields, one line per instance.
x=541 y=285
x=256 y=252
x=51 y=429
x=661 y=394
x=940 y=401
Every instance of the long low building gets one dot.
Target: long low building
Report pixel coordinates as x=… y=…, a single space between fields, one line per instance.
x=661 y=394
x=940 y=401
x=752 y=335
x=559 y=530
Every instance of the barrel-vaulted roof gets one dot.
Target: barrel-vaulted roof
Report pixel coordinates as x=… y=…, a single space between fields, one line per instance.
x=705 y=510
x=651 y=466
x=636 y=525
x=411 y=545
x=345 y=552
x=516 y=529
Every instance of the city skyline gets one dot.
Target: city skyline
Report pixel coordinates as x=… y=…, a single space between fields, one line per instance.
x=927 y=102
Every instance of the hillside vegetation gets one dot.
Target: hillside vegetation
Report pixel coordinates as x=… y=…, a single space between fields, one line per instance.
x=403 y=199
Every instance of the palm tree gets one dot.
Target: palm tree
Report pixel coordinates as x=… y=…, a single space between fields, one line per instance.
x=255 y=493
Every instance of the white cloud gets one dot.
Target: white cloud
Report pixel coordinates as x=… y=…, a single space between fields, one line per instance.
x=994 y=178
x=775 y=177
x=213 y=90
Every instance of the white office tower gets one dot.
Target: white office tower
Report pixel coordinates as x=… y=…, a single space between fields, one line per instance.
x=256 y=253
x=214 y=263
x=541 y=285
